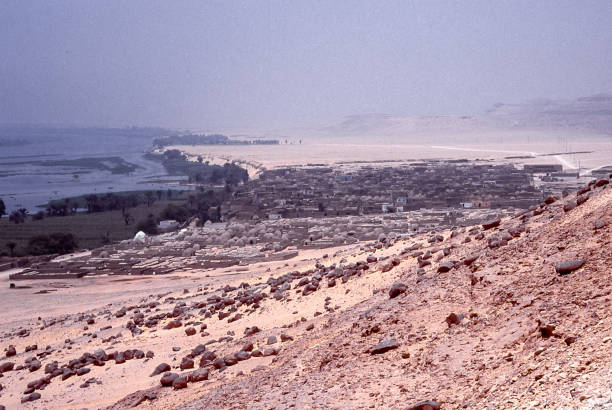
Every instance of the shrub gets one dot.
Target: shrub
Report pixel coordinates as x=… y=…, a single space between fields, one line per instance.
x=178 y=213
x=148 y=226
x=58 y=242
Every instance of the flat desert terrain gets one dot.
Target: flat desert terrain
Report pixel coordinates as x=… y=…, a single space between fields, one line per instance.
x=597 y=152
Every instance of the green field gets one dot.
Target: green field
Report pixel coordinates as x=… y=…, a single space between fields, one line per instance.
x=90 y=229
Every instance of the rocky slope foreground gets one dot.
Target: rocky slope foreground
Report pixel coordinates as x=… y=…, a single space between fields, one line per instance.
x=511 y=314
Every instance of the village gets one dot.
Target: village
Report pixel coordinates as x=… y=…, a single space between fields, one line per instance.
x=316 y=207
x=320 y=191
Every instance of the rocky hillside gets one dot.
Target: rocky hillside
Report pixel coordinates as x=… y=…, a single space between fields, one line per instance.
x=514 y=313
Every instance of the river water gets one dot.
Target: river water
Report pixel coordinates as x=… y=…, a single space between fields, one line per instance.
x=24 y=183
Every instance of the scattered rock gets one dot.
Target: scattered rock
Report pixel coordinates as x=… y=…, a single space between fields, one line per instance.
x=445 y=266
x=600 y=223
x=550 y=199
x=31 y=397
x=190 y=331
x=396 y=289
x=470 y=259
x=161 y=368
x=424 y=405
x=384 y=346
x=565 y=267
x=173 y=324
x=491 y=223
x=569 y=206
x=249 y=331
x=6 y=367
x=179 y=383
x=10 y=351
x=198 y=375
x=168 y=378
x=453 y=319
x=187 y=363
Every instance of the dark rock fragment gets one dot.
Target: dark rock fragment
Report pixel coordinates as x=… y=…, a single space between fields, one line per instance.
x=6 y=367
x=384 y=346
x=10 y=351
x=396 y=289
x=198 y=375
x=453 y=319
x=179 y=383
x=445 y=266
x=161 y=368
x=168 y=378
x=30 y=397
x=565 y=267
x=187 y=363
x=424 y=405
x=491 y=223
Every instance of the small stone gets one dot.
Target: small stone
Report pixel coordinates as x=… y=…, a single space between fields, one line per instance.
x=6 y=367
x=168 y=378
x=550 y=199
x=190 y=331
x=198 y=375
x=396 y=289
x=173 y=324
x=179 y=383
x=82 y=371
x=445 y=266
x=569 y=206
x=424 y=405
x=565 y=267
x=187 y=363
x=570 y=339
x=161 y=368
x=11 y=351
x=384 y=346
x=242 y=355
x=491 y=223
x=30 y=397
x=453 y=319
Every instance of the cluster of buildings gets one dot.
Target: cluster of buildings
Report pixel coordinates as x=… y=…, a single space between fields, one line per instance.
x=320 y=191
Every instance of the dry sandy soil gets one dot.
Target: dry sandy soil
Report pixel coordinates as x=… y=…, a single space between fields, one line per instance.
x=598 y=151
x=504 y=331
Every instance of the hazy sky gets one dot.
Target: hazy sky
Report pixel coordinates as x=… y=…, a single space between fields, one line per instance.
x=260 y=65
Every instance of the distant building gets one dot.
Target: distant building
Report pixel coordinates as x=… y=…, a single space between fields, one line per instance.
x=168 y=225
x=543 y=168
x=480 y=204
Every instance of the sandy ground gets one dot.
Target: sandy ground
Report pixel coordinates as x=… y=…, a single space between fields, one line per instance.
x=349 y=150
x=495 y=355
